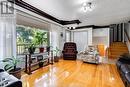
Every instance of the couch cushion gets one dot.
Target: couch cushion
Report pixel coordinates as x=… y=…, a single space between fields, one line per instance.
x=125 y=68
x=128 y=77
x=118 y=64
x=124 y=60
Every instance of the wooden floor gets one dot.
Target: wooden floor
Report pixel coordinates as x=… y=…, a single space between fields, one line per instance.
x=74 y=74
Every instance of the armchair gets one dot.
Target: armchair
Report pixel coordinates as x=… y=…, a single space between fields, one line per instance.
x=69 y=51
x=90 y=55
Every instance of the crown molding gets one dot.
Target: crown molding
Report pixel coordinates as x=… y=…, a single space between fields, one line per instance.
x=42 y=13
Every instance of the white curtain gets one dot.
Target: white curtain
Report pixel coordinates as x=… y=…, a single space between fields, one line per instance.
x=81 y=40
x=67 y=36
x=7 y=36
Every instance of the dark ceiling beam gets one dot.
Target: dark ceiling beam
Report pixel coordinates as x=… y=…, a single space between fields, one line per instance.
x=92 y=26
x=70 y=22
x=81 y=27
x=106 y=26
x=41 y=13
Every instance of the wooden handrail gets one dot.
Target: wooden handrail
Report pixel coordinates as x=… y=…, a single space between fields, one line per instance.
x=127 y=35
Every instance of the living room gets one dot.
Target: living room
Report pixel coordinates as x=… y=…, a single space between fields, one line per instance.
x=58 y=43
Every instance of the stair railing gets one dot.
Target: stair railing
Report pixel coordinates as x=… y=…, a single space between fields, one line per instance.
x=107 y=52
x=127 y=40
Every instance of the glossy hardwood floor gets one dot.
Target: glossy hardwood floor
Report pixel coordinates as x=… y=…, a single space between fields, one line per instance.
x=74 y=74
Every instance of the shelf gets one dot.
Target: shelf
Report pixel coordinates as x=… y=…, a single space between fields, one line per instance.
x=35 y=59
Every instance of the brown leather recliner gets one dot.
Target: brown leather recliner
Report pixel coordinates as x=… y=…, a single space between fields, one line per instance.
x=69 y=51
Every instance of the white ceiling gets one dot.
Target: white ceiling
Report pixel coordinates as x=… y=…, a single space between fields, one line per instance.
x=104 y=11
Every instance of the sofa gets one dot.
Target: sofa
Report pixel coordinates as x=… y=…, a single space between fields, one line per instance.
x=7 y=80
x=123 y=66
x=69 y=51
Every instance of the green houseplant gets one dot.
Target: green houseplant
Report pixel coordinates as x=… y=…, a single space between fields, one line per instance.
x=39 y=39
x=56 y=51
x=11 y=66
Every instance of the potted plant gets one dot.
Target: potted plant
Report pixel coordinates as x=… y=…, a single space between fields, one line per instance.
x=39 y=39
x=31 y=48
x=11 y=66
x=56 y=51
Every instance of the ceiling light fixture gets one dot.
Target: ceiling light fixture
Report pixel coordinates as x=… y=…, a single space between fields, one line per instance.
x=87 y=6
x=71 y=28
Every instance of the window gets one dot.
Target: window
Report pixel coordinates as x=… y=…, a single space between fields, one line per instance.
x=27 y=35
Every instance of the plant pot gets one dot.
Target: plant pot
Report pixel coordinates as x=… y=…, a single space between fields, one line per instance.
x=31 y=50
x=41 y=49
x=40 y=64
x=56 y=59
x=16 y=73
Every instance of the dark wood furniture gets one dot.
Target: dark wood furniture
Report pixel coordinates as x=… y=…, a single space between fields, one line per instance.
x=35 y=59
x=70 y=51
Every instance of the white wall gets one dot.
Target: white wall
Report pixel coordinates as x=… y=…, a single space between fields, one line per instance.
x=101 y=36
